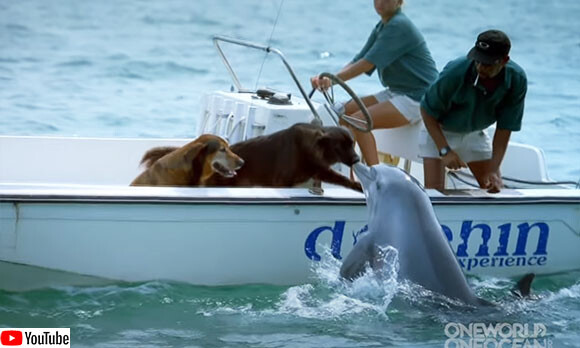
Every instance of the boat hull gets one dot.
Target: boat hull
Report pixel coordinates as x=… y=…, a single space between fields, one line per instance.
x=245 y=236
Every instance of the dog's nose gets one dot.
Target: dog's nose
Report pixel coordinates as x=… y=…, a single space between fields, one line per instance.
x=355 y=159
x=239 y=163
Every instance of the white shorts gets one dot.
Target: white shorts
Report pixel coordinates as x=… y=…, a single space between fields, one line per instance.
x=406 y=106
x=471 y=147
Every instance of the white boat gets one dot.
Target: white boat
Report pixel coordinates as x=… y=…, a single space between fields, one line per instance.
x=68 y=215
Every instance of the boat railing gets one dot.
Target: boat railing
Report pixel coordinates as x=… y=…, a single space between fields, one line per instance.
x=268 y=49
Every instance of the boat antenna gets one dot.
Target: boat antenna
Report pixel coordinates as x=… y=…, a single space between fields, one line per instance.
x=268 y=44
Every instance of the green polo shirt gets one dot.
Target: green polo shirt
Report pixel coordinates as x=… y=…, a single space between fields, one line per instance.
x=461 y=107
x=400 y=54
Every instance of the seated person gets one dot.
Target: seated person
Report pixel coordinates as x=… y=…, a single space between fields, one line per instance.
x=472 y=93
x=399 y=53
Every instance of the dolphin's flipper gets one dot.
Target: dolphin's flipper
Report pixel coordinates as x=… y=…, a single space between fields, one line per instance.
x=523 y=286
x=355 y=263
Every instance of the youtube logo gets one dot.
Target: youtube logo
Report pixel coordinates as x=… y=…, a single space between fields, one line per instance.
x=35 y=337
x=11 y=338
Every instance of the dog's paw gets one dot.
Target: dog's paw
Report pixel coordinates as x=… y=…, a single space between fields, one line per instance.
x=357 y=186
x=318 y=191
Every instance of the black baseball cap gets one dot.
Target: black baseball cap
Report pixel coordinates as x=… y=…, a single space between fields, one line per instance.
x=491 y=47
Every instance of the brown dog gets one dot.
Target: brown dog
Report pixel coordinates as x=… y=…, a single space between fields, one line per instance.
x=291 y=157
x=190 y=165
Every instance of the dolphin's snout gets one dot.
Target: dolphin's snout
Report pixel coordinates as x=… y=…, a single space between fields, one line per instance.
x=360 y=169
x=363 y=172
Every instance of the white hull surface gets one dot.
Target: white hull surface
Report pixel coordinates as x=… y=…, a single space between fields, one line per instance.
x=221 y=236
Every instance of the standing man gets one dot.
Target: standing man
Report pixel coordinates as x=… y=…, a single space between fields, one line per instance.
x=472 y=93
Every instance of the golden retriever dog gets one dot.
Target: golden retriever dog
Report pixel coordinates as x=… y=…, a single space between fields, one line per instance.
x=190 y=165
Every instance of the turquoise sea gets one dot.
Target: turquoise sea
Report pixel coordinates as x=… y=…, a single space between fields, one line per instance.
x=138 y=68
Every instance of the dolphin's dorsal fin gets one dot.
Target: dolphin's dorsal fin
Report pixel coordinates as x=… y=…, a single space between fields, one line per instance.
x=524 y=285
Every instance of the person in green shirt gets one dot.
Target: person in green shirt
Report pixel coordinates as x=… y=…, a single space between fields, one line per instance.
x=397 y=50
x=472 y=93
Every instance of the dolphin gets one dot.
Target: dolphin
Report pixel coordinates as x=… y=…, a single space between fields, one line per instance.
x=401 y=216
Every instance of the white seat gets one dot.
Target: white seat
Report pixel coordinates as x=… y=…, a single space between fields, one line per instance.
x=401 y=141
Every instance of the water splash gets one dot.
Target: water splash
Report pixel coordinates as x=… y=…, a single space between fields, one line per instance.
x=331 y=297
x=570 y=293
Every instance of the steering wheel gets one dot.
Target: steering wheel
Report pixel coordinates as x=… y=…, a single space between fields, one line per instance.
x=365 y=125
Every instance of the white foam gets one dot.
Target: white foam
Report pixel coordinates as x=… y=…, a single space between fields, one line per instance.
x=335 y=297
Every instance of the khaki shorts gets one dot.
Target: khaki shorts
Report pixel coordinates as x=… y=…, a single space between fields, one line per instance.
x=471 y=147
x=406 y=106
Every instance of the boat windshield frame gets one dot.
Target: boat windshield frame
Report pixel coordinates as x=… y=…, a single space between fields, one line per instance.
x=268 y=49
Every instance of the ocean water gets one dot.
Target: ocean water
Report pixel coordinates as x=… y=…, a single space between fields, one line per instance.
x=138 y=68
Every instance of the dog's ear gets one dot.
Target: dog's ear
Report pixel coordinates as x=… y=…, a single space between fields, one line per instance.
x=320 y=137
x=200 y=152
x=196 y=151
x=325 y=140
x=324 y=146
x=212 y=146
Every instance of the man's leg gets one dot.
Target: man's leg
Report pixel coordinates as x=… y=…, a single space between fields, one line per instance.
x=434 y=173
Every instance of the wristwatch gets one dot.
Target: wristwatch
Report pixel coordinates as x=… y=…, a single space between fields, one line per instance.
x=444 y=151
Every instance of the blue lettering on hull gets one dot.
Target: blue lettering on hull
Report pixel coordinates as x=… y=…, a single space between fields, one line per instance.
x=469 y=233
x=310 y=244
